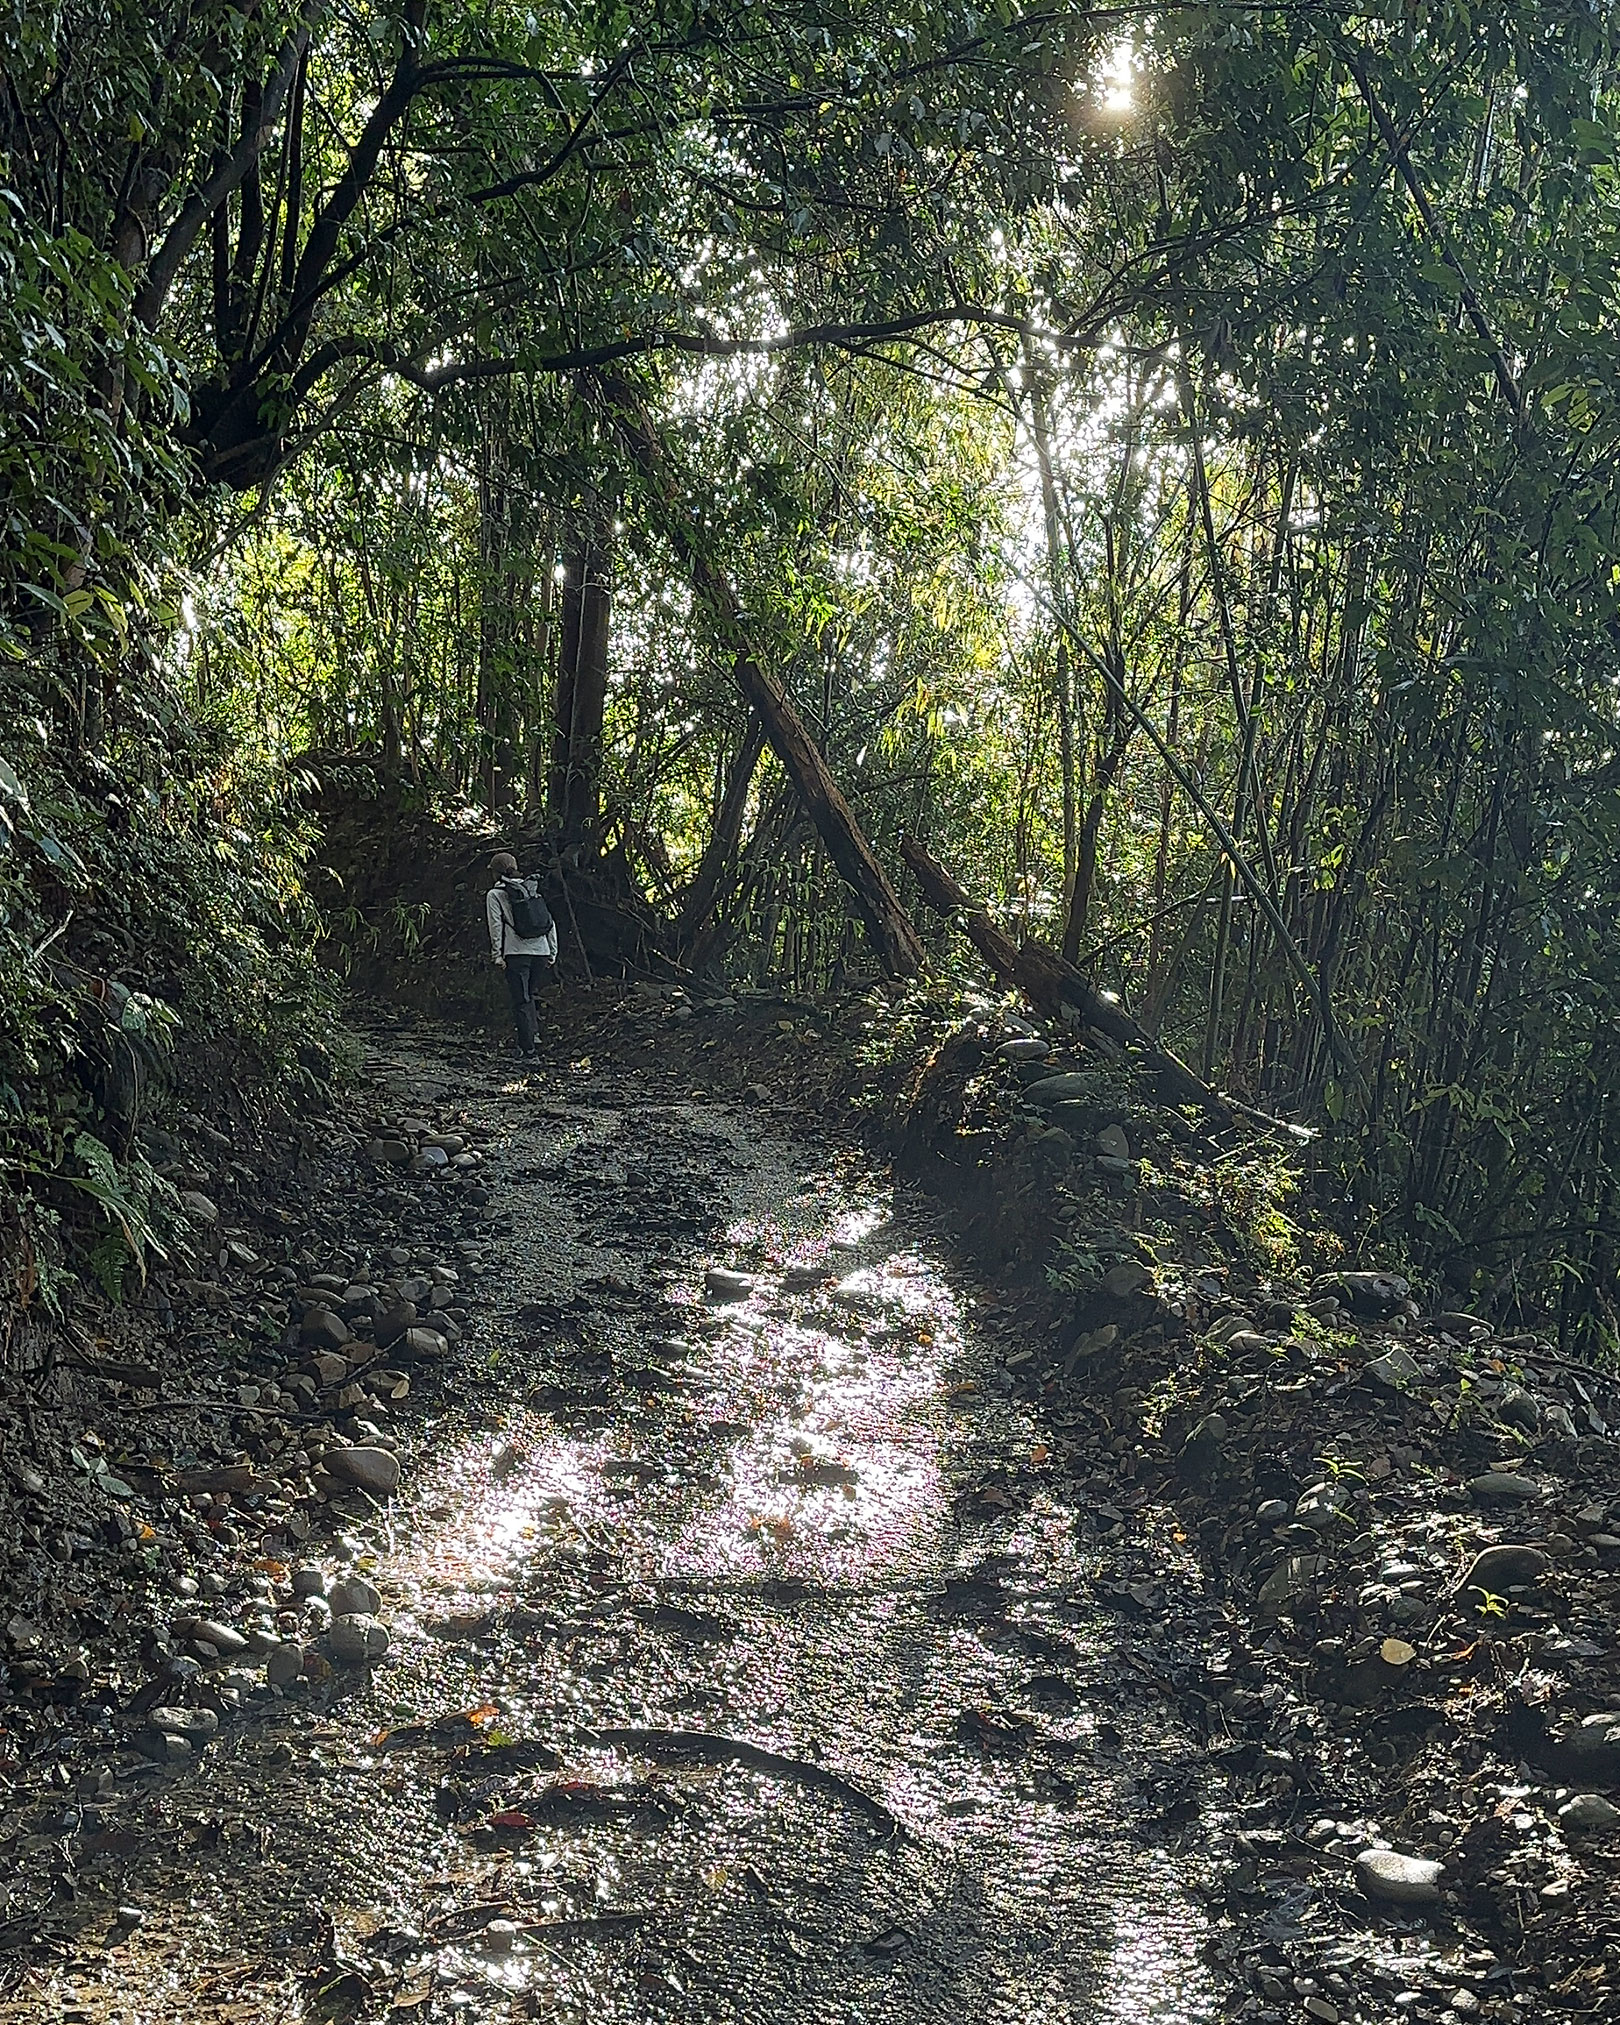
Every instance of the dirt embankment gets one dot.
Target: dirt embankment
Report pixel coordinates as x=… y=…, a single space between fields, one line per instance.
x=402 y=889
x=1410 y=1518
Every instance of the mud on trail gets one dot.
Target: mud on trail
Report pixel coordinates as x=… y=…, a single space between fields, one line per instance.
x=746 y=1662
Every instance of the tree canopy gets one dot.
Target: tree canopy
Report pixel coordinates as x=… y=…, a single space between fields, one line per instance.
x=1161 y=459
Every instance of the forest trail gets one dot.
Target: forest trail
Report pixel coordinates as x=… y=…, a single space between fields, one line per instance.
x=742 y=1668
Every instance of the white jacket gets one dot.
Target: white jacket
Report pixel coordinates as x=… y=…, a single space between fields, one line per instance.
x=504 y=940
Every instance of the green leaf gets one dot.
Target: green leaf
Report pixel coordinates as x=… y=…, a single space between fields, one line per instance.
x=1442 y=275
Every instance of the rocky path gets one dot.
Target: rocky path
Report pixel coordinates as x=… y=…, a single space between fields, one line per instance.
x=745 y=1661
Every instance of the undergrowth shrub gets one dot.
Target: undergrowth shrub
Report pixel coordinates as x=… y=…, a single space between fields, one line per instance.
x=157 y=945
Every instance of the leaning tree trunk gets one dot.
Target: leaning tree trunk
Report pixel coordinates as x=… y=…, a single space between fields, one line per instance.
x=898 y=946
x=1052 y=986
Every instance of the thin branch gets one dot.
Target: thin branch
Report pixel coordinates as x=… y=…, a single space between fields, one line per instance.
x=1396 y=145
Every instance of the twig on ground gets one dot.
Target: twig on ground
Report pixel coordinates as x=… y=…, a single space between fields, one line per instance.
x=711 y=1748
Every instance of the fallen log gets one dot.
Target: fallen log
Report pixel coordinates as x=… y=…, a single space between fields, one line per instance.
x=1054 y=987
x=898 y=946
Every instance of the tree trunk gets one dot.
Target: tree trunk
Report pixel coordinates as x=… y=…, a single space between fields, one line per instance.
x=576 y=774
x=1052 y=986
x=567 y=661
x=715 y=868
x=898 y=946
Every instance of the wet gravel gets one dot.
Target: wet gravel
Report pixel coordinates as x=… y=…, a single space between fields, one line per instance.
x=746 y=1663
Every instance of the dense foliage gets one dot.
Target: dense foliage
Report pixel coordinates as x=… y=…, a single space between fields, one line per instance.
x=1167 y=457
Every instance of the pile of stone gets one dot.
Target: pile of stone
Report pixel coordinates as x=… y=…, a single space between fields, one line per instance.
x=294 y=1627
x=416 y=1145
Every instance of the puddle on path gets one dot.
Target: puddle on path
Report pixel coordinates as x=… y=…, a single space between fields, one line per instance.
x=775 y=1720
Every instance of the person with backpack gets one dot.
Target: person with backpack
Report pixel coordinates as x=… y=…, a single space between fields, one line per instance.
x=522 y=941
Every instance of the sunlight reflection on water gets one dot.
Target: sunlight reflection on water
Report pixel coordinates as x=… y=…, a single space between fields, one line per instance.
x=810 y=1445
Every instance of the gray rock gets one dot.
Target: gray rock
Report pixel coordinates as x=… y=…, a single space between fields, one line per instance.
x=308 y=1579
x=199 y=1209
x=1496 y=1570
x=353 y=1596
x=1395 y=1879
x=322 y=1329
x=1054 y=1147
x=1072 y=1087
x=1322 y=1506
x=1126 y=1278
x=1519 y=1408
x=196 y=1726
x=284 y=1665
x=1090 y=1343
x=721 y=1285
x=395 y=1319
x=1504 y=1487
x=1594 y=1742
x=1112 y=1141
x=1115 y=1168
x=1367 y=1293
x=209 y=1631
x=1396 y=1371
x=430 y=1160
x=358 y=1639
x=372 y=1469
x=1588 y=1814
x=1293 y=1577
x=421 y=1342
x=1025 y=1048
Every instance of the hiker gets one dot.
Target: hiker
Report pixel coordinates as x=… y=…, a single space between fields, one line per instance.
x=522 y=942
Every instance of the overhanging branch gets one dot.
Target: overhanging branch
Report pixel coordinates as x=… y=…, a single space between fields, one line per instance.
x=695 y=344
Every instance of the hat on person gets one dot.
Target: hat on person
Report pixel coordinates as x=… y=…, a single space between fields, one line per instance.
x=503 y=865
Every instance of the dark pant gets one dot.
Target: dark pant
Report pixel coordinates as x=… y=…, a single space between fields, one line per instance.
x=524 y=974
